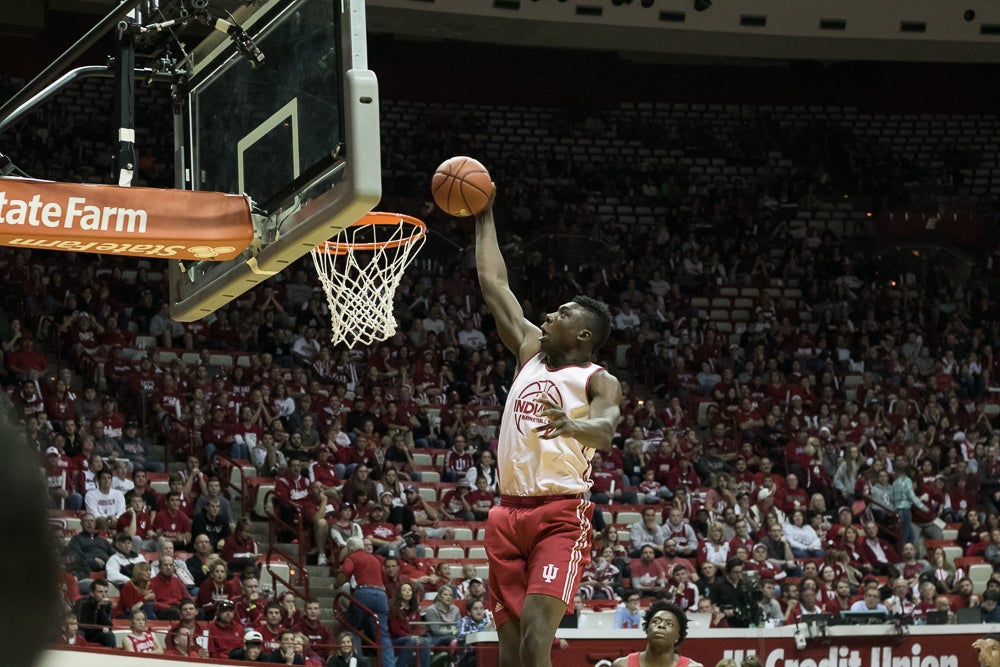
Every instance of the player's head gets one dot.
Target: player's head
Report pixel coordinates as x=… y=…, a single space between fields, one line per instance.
x=598 y=318
x=659 y=606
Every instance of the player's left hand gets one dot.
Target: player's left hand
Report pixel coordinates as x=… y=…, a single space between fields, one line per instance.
x=989 y=652
x=559 y=422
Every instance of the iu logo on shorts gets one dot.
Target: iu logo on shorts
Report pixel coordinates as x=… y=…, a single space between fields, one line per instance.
x=549 y=573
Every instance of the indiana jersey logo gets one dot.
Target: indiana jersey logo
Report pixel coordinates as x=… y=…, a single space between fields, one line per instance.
x=549 y=573
x=527 y=409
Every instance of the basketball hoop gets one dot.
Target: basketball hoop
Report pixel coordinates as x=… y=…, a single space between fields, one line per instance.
x=360 y=269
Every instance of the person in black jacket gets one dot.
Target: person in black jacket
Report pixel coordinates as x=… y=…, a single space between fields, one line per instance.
x=252 y=649
x=94 y=614
x=285 y=654
x=89 y=548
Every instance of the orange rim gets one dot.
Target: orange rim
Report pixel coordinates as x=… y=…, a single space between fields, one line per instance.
x=376 y=218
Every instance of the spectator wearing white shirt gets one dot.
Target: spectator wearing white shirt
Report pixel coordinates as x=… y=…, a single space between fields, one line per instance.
x=471 y=338
x=870 y=604
x=305 y=349
x=802 y=537
x=647 y=533
x=627 y=320
x=105 y=502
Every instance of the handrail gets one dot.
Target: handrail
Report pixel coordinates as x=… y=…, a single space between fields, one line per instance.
x=227 y=484
x=171 y=436
x=338 y=612
x=341 y=618
x=274 y=522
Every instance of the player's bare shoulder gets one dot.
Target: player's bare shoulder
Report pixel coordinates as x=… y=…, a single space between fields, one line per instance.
x=620 y=662
x=605 y=385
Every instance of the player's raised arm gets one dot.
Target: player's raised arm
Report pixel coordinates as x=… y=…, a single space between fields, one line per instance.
x=519 y=335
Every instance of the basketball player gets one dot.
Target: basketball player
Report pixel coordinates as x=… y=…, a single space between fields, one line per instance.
x=560 y=409
x=989 y=650
x=665 y=626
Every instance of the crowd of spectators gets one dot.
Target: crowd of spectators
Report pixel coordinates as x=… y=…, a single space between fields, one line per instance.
x=821 y=442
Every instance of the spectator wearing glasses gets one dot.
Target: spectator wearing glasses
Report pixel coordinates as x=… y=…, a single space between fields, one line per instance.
x=628 y=616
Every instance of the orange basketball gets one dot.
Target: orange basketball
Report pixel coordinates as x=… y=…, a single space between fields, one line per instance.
x=461 y=186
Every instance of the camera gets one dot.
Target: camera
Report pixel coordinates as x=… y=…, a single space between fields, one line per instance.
x=750 y=593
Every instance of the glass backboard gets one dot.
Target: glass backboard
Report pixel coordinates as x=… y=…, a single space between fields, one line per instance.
x=299 y=133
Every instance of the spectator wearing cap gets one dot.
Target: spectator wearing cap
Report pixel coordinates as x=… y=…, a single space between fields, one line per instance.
x=81 y=334
x=413 y=568
x=452 y=506
x=385 y=536
x=324 y=471
x=835 y=536
x=120 y=564
x=61 y=481
x=759 y=562
x=426 y=516
x=225 y=633
x=344 y=526
x=683 y=474
x=134 y=451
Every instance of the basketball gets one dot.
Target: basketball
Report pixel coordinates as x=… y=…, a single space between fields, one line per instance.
x=461 y=186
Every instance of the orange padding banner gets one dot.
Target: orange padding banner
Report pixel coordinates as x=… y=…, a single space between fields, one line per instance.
x=112 y=220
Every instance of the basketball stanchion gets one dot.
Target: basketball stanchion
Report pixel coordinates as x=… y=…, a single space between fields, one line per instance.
x=360 y=269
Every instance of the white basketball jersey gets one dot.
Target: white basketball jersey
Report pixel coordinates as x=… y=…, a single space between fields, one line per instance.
x=532 y=466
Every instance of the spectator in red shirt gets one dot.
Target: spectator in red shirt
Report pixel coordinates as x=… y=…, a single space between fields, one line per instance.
x=169 y=589
x=320 y=637
x=479 y=501
x=292 y=491
x=457 y=461
x=174 y=524
x=607 y=486
x=791 y=496
x=25 y=359
x=225 y=633
x=240 y=549
x=385 y=536
x=369 y=592
x=452 y=505
x=270 y=628
x=217 y=589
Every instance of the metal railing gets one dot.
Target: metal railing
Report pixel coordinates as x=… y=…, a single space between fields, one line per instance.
x=298 y=584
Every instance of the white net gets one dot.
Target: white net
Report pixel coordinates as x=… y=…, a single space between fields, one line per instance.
x=360 y=269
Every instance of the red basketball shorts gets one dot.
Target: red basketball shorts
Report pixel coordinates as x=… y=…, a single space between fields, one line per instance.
x=536 y=548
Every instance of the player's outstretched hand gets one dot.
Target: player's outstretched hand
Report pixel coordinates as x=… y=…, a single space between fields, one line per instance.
x=989 y=652
x=559 y=422
x=489 y=203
